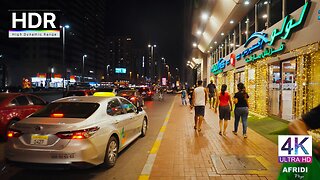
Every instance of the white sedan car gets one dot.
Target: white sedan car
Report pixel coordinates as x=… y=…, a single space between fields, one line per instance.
x=76 y=131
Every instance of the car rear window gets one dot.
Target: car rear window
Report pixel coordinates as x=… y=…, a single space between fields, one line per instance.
x=75 y=93
x=68 y=109
x=105 y=90
x=126 y=93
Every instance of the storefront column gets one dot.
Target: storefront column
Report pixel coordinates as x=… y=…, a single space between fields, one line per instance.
x=247 y=29
x=229 y=39
x=234 y=40
x=256 y=18
x=240 y=36
x=284 y=7
x=225 y=48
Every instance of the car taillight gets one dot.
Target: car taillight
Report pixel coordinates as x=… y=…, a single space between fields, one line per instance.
x=79 y=134
x=149 y=92
x=57 y=115
x=132 y=98
x=13 y=133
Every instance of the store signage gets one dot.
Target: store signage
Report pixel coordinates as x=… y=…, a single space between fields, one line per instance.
x=120 y=70
x=284 y=33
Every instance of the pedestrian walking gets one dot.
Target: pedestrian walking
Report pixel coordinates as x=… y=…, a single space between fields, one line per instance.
x=241 y=109
x=199 y=100
x=184 y=97
x=225 y=107
x=212 y=93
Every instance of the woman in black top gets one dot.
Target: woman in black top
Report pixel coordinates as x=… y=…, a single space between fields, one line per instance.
x=241 y=110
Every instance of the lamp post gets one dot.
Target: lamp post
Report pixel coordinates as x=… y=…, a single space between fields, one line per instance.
x=64 y=74
x=84 y=56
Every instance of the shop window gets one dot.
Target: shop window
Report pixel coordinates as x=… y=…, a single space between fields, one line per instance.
x=251 y=20
x=243 y=30
x=293 y=5
x=262 y=15
x=275 y=11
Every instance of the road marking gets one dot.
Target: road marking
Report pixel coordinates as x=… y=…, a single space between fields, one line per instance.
x=146 y=171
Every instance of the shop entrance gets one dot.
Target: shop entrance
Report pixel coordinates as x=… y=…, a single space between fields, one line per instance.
x=282 y=89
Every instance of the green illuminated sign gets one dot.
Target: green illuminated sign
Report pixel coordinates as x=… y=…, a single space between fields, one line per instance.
x=284 y=33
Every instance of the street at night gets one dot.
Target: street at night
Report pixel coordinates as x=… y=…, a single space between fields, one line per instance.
x=160 y=89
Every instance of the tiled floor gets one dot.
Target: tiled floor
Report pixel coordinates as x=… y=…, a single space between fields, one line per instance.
x=186 y=154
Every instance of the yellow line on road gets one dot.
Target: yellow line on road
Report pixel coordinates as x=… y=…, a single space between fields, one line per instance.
x=156 y=145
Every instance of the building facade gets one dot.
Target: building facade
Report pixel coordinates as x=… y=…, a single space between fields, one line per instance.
x=273 y=48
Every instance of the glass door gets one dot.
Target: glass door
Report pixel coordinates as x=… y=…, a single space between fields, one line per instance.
x=274 y=89
x=288 y=89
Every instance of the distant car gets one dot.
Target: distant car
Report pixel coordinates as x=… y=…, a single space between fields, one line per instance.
x=76 y=131
x=133 y=96
x=146 y=93
x=105 y=92
x=79 y=93
x=15 y=107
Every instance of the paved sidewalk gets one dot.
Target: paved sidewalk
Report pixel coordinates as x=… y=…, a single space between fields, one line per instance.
x=186 y=154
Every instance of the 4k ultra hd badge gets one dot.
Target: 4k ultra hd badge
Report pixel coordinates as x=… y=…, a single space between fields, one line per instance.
x=34 y=24
x=294 y=149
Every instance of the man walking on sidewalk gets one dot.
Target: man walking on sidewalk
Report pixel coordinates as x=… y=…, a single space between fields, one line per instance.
x=212 y=93
x=199 y=100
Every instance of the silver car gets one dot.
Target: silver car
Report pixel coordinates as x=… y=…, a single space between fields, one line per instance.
x=76 y=131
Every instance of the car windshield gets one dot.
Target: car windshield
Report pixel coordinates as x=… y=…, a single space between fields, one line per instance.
x=126 y=93
x=68 y=110
x=105 y=90
x=143 y=89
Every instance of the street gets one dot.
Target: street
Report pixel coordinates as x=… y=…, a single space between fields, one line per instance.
x=130 y=161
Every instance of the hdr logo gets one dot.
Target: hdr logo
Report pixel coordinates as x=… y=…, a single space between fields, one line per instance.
x=34 y=24
x=294 y=149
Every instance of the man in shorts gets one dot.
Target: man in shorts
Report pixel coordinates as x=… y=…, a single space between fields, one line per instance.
x=212 y=93
x=199 y=101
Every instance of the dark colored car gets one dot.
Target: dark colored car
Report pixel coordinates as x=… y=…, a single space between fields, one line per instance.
x=78 y=93
x=133 y=96
x=15 y=107
x=146 y=93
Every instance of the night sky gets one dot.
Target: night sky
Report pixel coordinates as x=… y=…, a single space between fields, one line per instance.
x=157 y=22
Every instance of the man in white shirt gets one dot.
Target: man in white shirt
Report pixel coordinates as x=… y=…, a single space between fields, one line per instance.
x=199 y=101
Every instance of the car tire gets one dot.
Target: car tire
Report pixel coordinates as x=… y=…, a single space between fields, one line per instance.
x=111 y=154
x=144 y=127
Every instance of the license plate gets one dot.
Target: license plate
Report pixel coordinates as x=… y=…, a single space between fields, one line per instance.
x=39 y=140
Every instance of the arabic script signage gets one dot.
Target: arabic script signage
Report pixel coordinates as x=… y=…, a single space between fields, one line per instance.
x=288 y=25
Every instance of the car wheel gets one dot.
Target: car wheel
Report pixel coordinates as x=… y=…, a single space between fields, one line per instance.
x=144 y=127
x=111 y=155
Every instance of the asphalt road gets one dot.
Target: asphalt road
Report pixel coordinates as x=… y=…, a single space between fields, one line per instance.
x=129 y=164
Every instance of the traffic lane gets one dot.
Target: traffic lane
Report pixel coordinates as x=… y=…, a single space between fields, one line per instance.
x=130 y=161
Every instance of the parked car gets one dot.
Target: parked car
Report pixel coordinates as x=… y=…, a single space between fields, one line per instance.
x=146 y=93
x=15 y=107
x=84 y=92
x=133 y=96
x=76 y=131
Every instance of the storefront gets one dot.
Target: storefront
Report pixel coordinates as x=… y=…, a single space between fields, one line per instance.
x=279 y=66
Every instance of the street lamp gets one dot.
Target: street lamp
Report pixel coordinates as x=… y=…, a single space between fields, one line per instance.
x=108 y=69
x=84 y=56
x=63 y=52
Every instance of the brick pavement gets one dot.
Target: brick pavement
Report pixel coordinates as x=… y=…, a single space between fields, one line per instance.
x=186 y=154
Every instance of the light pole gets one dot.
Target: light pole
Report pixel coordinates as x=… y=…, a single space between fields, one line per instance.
x=64 y=74
x=84 y=56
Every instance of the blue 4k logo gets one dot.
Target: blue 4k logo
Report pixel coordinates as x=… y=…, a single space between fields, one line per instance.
x=294 y=149
x=297 y=145
x=319 y=15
